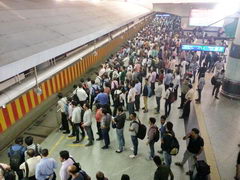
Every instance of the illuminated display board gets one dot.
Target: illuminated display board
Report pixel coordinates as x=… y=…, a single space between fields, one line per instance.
x=208 y=48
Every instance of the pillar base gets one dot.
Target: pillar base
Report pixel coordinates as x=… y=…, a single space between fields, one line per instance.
x=231 y=89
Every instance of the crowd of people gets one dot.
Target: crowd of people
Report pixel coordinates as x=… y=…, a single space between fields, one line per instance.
x=151 y=64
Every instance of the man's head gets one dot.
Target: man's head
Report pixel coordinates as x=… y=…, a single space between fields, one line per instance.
x=64 y=155
x=163 y=119
x=157 y=160
x=19 y=140
x=195 y=133
x=30 y=153
x=152 y=120
x=100 y=175
x=60 y=95
x=169 y=126
x=120 y=109
x=171 y=85
x=86 y=106
x=104 y=111
x=133 y=116
x=44 y=152
x=72 y=170
x=29 y=140
x=190 y=86
x=125 y=177
x=74 y=104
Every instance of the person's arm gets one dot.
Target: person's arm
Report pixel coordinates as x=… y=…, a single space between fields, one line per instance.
x=171 y=175
x=187 y=136
x=201 y=149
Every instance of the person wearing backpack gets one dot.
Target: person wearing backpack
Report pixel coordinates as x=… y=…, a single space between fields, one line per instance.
x=134 y=127
x=31 y=145
x=162 y=172
x=66 y=161
x=95 y=89
x=194 y=148
x=45 y=168
x=16 y=156
x=153 y=136
x=29 y=166
x=74 y=173
x=105 y=127
x=169 y=96
x=145 y=95
x=6 y=173
x=166 y=142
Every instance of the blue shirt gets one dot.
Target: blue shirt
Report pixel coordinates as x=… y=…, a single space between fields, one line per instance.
x=162 y=130
x=45 y=168
x=16 y=147
x=138 y=88
x=102 y=98
x=168 y=78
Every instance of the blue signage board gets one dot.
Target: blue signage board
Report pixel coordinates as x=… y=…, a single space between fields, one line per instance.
x=208 y=48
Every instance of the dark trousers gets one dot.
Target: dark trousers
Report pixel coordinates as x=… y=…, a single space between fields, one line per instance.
x=166 y=86
x=82 y=103
x=216 y=89
x=153 y=88
x=131 y=108
x=89 y=132
x=76 y=130
x=176 y=92
x=73 y=129
x=105 y=134
x=167 y=107
x=186 y=110
x=32 y=178
x=158 y=103
x=183 y=99
x=199 y=95
x=19 y=174
x=65 y=125
x=99 y=129
x=152 y=150
x=135 y=144
x=137 y=102
x=91 y=102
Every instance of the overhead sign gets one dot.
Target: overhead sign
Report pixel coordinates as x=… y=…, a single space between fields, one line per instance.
x=207 y=48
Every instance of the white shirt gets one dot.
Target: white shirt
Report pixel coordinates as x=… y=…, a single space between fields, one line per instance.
x=63 y=170
x=76 y=115
x=176 y=81
x=102 y=71
x=190 y=94
x=167 y=93
x=70 y=110
x=82 y=95
x=131 y=95
x=61 y=104
x=159 y=90
x=32 y=163
x=87 y=118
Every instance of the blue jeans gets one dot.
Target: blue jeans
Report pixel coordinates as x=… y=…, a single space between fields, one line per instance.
x=135 y=144
x=152 y=150
x=167 y=158
x=120 y=137
x=105 y=135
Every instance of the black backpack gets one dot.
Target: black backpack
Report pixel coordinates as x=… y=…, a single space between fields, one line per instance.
x=174 y=146
x=8 y=174
x=16 y=158
x=85 y=175
x=142 y=130
x=203 y=169
x=156 y=135
x=213 y=80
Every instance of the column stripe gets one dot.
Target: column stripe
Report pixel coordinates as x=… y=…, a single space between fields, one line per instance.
x=73 y=72
x=10 y=113
x=39 y=97
x=22 y=106
x=43 y=95
x=25 y=102
x=31 y=94
x=58 y=82
x=1 y=129
x=14 y=108
x=61 y=80
x=66 y=78
x=2 y=120
x=49 y=87
x=19 y=110
x=77 y=69
x=29 y=100
x=35 y=96
x=70 y=75
x=6 y=117
x=80 y=67
x=53 y=85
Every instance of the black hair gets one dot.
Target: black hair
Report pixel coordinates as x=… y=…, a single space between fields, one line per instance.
x=74 y=103
x=157 y=160
x=29 y=140
x=163 y=117
x=169 y=125
x=125 y=177
x=60 y=95
x=120 y=109
x=134 y=114
x=104 y=111
x=64 y=154
x=44 y=152
x=152 y=120
x=19 y=140
x=195 y=130
x=171 y=85
x=87 y=105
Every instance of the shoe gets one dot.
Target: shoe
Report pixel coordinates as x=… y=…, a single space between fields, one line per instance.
x=118 y=151
x=99 y=139
x=66 y=132
x=132 y=156
x=132 y=149
x=75 y=142
x=180 y=107
x=178 y=164
x=89 y=144
x=143 y=108
x=105 y=147
x=216 y=97
x=160 y=152
x=181 y=117
x=71 y=135
x=189 y=173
